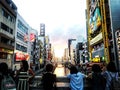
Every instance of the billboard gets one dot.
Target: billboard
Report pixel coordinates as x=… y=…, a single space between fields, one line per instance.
x=42 y=29
x=32 y=37
x=19 y=56
x=95 y=20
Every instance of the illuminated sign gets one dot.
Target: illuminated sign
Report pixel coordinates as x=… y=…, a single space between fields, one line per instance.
x=19 y=56
x=96 y=59
x=95 y=20
x=32 y=37
x=96 y=39
x=42 y=29
x=6 y=50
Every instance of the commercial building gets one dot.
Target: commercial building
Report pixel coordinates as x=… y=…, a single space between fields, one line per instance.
x=25 y=42
x=102 y=22
x=8 y=14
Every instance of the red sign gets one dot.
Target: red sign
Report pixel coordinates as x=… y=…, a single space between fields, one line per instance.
x=26 y=38
x=32 y=37
x=19 y=56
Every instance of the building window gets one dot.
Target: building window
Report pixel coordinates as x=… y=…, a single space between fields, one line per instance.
x=4 y=40
x=6 y=28
x=21 y=48
x=7 y=15
x=22 y=27
x=20 y=36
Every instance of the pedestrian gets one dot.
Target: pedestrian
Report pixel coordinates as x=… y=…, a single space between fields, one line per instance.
x=24 y=76
x=110 y=73
x=6 y=81
x=98 y=82
x=48 y=78
x=76 y=79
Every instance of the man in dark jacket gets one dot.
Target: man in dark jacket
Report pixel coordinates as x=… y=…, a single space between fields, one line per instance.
x=48 y=78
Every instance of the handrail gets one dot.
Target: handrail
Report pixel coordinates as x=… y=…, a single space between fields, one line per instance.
x=62 y=83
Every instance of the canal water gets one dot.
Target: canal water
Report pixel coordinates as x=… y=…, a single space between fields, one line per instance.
x=61 y=71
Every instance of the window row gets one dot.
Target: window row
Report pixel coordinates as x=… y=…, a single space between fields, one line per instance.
x=20 y=37
x=22 y=27
x=21 y=48
x=7 y=41
x=6 y=28
x=7 y=15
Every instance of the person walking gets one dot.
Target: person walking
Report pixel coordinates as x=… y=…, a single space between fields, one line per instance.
x=76 y=79
x=48 y=78
x=110 y=73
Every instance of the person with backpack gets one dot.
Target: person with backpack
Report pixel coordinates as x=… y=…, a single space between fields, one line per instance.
x=109 y=74
x=98 y=82
x=6 y=81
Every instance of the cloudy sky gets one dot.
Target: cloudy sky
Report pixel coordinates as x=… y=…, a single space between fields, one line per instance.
x=63 y=19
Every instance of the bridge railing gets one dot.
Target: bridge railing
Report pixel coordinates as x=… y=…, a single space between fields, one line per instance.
x=62 y=84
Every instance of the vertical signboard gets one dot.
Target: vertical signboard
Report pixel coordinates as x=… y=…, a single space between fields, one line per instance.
x=42 y=29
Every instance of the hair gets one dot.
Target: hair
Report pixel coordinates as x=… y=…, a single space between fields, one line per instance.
x=4 y=68
x=49 y=67
x=25 y=65
x=73 y=70
x=96 y=68
x=111 y=67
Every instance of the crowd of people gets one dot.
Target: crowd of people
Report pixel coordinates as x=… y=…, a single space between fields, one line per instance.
x=100 y=78
x=17 y=79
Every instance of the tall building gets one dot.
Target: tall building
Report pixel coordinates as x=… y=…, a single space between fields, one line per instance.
x=8 y=13
x=66 y=54
x=25 y=42
x=21 y=41
x=79 y=52
x=103 y=20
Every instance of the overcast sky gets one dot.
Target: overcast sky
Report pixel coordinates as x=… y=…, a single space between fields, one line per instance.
x=63 y=19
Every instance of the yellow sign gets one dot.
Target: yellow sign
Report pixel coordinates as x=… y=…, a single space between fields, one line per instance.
x=41 y=61
x=96 y=59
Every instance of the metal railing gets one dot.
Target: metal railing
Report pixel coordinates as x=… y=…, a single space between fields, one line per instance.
x=62 y=84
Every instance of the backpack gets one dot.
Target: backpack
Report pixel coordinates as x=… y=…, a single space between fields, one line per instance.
x=114 y=83
x=8 y=83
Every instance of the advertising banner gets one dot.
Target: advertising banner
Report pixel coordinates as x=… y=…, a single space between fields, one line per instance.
x=19 y=56
x=95 y=20
x=32 y=37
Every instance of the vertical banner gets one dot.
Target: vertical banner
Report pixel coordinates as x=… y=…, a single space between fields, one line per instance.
x=32 y=37
x=26 y=38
